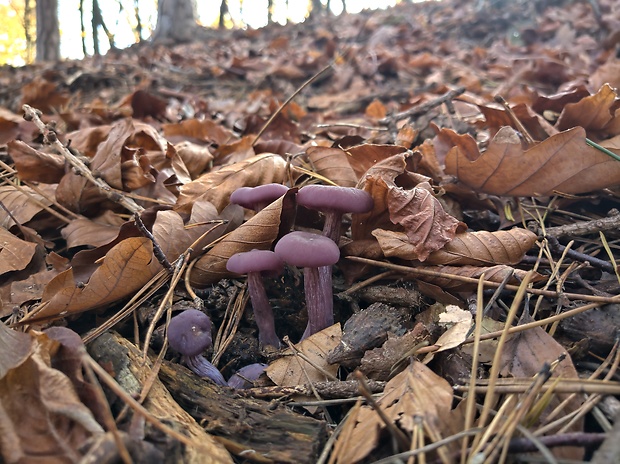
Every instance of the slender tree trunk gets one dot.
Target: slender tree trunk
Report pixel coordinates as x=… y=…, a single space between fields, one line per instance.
x=82 y=27
x=48 y=33
x=223 y=12
x=30 y=40
x=176 y=21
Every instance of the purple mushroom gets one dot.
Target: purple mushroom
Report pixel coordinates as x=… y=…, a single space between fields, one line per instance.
x=255 y=263
x=247 y=375
x=334 y=202
x=189 y=333
x=257 y=198
x=312 y=251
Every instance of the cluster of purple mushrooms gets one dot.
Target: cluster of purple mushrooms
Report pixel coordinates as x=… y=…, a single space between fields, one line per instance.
x=189 y=333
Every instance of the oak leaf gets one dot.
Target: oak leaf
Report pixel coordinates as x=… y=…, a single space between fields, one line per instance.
x=562 y=163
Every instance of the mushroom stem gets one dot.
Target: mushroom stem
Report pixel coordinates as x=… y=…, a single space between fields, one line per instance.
x=199 y=365
x=263 y=314
x=319 y=299
x=333 y=225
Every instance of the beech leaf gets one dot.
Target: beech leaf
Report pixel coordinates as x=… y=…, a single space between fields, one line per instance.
x=216 y=186
x=562 y=163
x=125 y=269
x=257 y=233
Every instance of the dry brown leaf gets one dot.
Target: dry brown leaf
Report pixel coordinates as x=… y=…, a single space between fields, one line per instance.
x=594 y=113
x=427 y=227
x=56 y=423
x=485 y=248
x=458 y=323
x=562 y=163
x=195 y=157
x=217 y=186
x=416 y=394
x=92 y=232
x=367 y=155
x=333 y=164
x=35 y=165
x=258 y=233
x=205 y=131
x=23 y=204
x=523 y=357
x=15 y=253
x=291 y=370
x=126 y=268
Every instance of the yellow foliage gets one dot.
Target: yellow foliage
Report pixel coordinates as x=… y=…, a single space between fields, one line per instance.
x=14 y=47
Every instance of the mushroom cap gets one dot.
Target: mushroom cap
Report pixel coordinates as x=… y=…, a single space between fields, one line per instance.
x=189 y=332
x=304 y=249
x=333 y=198
x=255 y=261
x=249 y=197
x=244 y=377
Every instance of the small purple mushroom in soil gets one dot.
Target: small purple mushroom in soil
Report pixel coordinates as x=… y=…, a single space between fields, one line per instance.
x=247 y=375
x=334 y=202
x=189 y=333
x=312 y=251
x=255 y=263
x=257 y=198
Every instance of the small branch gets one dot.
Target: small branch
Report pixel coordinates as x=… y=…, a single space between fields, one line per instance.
x=594 y=226
x=576 y=255
x=525 y=445
x=32 y=114
x=423 y=108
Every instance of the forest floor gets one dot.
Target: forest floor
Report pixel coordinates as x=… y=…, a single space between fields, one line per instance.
x=476 y=302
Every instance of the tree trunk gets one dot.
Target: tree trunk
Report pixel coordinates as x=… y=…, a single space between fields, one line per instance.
x=176 y=21
x=48 y=33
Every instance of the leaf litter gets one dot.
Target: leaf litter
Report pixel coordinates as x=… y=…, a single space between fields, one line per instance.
x=477 y=147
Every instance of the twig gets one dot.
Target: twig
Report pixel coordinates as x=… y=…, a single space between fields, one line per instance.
x=157 y=251
x=586 y=227
x=487 y=283
x=290 y=99
x=423 y=108
x=556 y=246
x=81 y=169
x=525 y=445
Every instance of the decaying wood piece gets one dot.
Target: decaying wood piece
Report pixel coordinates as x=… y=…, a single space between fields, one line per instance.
x=125 y=361
x=257 y=430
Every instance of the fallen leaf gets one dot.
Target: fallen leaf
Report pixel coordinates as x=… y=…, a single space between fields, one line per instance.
x=291 y=370
x=415 y=397
x=57 y=423
x=126 y=268
x=217 y=186
x=562 y=163
x=258 y=233
x=15 y=253
x=333 y=164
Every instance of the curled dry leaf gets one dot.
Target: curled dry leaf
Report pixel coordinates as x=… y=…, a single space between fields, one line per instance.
x=15 y=253
x=92 y=232
x=467 y=248
x=417 y=397
x=562 y=163
x=23 y=204
x=57 y=423
x=595 y=113
x=291 y=370
x=35 y=165
x=258 y=233
x=217 y=186
x=523 y=357
x=125 y=269
x=333 y=164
